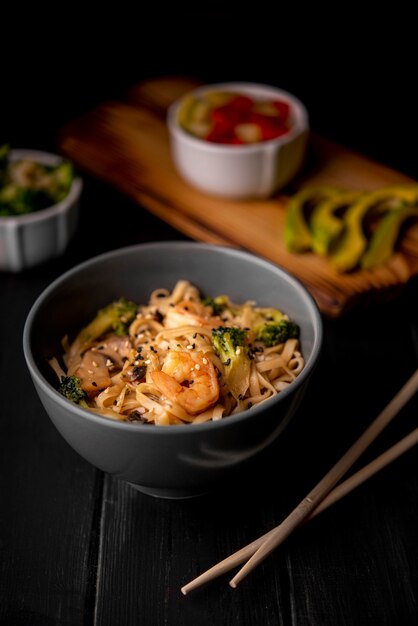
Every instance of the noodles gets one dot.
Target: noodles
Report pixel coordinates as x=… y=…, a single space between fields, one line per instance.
x=179 y=359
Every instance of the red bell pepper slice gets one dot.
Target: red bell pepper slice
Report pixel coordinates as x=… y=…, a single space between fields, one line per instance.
x=233 y=112
x=270 y=127
x=240 y=110
x=283 y=108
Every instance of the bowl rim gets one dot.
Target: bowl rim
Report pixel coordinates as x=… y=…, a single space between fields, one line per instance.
x=175 y=429
x=47 y=158
x=238 y=86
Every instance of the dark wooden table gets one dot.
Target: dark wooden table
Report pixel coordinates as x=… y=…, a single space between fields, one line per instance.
x=78 y=547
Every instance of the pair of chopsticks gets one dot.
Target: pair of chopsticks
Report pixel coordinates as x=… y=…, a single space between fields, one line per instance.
x=322 y=495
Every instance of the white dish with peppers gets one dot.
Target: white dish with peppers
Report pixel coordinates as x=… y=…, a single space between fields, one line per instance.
x=238 y=140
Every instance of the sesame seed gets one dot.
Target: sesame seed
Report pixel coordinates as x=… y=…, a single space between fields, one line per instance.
x=106 y=390
x=127 y=344
x=147 y=362
x=109 y=363
x=205 y=361
x=189 y=347
x=90 y=371
x=197 y=366
x=94 y=364
x=141 y=409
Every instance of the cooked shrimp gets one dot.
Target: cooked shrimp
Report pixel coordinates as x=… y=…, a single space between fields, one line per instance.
x=188 y=378
x=191 y=313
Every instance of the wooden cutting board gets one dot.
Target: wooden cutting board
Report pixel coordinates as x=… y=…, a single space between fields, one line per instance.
x=126 y=144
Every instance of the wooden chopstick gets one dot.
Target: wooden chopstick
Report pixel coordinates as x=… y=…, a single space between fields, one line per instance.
x=321 y=496
x=330 y=479
x=336 y=494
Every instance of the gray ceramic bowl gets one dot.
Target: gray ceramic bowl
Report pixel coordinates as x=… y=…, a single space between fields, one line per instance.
x=172 y=461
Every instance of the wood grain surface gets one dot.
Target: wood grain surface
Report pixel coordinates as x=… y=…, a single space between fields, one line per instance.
x=80 y=548
x=126 y=144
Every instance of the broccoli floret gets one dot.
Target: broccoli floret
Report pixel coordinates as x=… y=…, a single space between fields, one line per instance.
x=120 y=315
x=4 y=160
x=263 y=315
x=115 y=317
x=27 y=186
x=231 y=346
x=273 y=333
x=61 y=178
x=217 y=304
x=70 y=388
x=227 y=339
x=15 y=200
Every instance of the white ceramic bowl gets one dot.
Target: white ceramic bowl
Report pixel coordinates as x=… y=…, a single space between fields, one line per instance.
x=27 y=240
x=255 y=170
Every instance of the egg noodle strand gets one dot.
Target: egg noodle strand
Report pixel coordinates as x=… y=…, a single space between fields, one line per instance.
x=166 y=370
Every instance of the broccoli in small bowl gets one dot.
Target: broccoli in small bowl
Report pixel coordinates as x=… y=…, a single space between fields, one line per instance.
x=27 y=185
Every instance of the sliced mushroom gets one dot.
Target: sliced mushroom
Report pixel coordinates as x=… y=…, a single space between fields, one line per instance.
x=93 y=372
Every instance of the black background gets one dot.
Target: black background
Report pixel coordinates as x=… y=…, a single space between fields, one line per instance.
x=77 y=546
x=355 y=70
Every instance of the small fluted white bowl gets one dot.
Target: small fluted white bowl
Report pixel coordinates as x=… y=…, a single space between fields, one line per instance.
x=30 y=239
x=256 y=170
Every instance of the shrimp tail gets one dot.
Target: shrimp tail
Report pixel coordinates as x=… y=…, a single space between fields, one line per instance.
x=166 y=382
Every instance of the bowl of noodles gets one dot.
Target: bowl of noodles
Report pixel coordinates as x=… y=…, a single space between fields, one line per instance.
x=172 y=365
